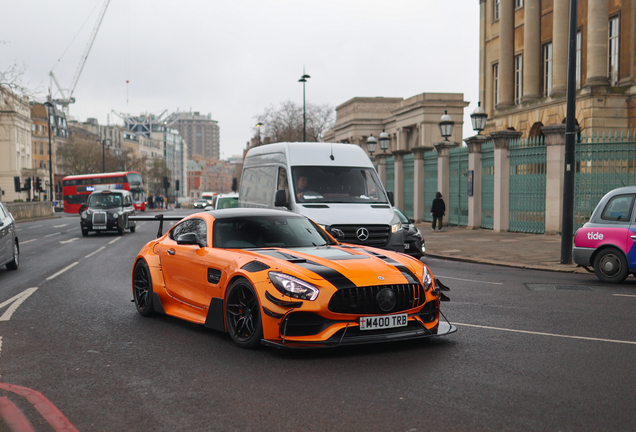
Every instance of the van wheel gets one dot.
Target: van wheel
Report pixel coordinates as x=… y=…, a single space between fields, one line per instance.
x=611 y=266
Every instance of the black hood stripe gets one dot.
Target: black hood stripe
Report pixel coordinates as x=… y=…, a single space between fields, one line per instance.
x=406 y=272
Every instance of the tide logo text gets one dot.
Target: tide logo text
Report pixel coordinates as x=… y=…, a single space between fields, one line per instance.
x=594 y=236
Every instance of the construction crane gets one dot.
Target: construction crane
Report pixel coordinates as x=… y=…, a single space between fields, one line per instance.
x=67 y=95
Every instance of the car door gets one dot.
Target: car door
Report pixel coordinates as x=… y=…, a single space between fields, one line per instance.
x=6 y=236
x=631 y=240
x=185 y=266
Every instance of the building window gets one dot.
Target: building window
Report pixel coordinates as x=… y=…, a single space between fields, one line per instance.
x=496 y=10
x=495 y=83
x=518 y=3
x=613 y=51
x=41 y=148
x=518 y=78
x=547 y=69
x=578 y=59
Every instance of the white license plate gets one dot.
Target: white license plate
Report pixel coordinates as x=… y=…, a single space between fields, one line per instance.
x=406 y=246
x=99 y=227
x=383 y=322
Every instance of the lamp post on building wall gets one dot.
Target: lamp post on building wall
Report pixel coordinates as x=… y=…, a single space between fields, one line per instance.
x=50 y=111
x=446 y=125
x=384 y=141
x=303 y=79
x=371 y=143
x=478 y=118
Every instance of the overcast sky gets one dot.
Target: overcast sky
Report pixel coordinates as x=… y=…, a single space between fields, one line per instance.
x=234 y=58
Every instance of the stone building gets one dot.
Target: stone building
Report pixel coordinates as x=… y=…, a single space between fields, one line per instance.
x=523 y=64
x=15 y=144
x=199 y=131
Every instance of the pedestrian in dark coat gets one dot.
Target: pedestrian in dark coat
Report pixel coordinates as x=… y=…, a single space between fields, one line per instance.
x=437 y=211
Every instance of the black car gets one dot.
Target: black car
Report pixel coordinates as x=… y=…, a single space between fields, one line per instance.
x=108 y=210
x=413 y=240
x=9 y=246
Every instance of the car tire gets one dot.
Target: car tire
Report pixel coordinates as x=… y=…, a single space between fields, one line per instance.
x=120 y=230
x=142 y=289
x=611 y=266
x=85 y=232
x=13 y=265
x=243 y=314
x=132 y=228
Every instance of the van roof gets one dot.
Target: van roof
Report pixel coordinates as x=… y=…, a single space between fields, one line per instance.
x=315 y=153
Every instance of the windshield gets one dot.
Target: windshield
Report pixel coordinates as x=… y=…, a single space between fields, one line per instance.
x=139 y=197
x=227 y=202
x=105 y=200
x=135 y=182
x=268 y=231
x=319 y=184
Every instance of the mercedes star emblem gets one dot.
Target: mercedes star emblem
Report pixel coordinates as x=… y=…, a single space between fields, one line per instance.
x=362 y=234
x=386 y=299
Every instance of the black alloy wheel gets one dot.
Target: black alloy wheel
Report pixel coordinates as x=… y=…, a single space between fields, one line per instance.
x=142 y=288
x=13 y=265
x=611 y=266
x=243 y=315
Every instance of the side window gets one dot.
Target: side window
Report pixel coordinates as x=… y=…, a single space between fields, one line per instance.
x=619 y=208
x=2 y=214
x=257 y=186
x=196 y=226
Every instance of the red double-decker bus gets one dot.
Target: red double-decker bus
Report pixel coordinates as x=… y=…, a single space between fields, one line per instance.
x=77 y=188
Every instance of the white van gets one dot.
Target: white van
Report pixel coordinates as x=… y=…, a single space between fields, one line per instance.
x=335 y=185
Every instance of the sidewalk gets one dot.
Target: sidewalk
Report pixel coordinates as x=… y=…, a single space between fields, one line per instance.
x=531 y=251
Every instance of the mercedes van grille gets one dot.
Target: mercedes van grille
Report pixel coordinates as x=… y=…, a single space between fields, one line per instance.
x=378 y=235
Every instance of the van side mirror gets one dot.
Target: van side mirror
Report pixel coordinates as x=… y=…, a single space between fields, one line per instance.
x=411 y=220
x=390 y=195
x=281 y=199
x=337 y=233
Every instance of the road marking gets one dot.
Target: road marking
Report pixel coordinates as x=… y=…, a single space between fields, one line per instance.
x=548 y=334
x=62 y=271
x=59 y=226
x=94 y=252
x=13 y=417
x=69 y=240
x=624 y=295
x=51 y=235
x=113 y=241
x=17 y=301
x=35 y=226
x=28 y=241
x=469 y=280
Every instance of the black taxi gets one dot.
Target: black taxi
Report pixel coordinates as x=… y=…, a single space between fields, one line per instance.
x=108 y=210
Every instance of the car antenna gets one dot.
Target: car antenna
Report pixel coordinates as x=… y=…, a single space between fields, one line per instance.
x=331 y=156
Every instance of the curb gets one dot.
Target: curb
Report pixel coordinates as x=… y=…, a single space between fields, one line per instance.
x=508 y=264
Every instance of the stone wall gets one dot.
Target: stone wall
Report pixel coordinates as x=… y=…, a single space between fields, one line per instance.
x=30 y=210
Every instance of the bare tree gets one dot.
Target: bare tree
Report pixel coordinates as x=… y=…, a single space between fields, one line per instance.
x=154 y=180
x=285 y=123
x=80 y=154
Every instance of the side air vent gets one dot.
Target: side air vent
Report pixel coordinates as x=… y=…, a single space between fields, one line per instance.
x=255 y=266
x=214 y=276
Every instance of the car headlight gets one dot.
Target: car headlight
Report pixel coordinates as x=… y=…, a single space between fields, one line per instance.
x=427 y=279
x=115 y=215
x=293 y=287
x=417 y=233
x=396 y=227
x=84 y=215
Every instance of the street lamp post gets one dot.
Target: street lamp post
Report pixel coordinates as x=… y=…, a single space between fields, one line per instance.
x=303 y=79
x=384 y=141
x=49 y=111
x=104 y=153
x=371 y=143
x=258 y=128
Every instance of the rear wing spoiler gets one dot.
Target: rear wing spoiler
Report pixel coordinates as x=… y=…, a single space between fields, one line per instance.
x=159 y=217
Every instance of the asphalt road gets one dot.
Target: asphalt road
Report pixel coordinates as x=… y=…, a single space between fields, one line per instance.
x=534 y=351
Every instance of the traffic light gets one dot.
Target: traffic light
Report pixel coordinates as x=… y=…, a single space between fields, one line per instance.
x=176 y=184
x=27 y=184
x=166 y=183
x=234 y=184
x=38 y=184
x=16 y=184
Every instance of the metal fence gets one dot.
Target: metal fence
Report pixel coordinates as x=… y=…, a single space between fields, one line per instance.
x=602 y=163
x=458 y=186
x=527 y=185
x=488 y=185
x=430 y=182
x=390 y=174
x=408 y=186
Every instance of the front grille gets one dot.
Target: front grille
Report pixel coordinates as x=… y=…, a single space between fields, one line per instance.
x=99 y=218
x=378 y=234
x=362 y=300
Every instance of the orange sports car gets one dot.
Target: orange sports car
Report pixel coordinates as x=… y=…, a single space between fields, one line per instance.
x=276 y=278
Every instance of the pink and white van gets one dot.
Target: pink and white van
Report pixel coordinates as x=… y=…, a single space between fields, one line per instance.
x=606 y=242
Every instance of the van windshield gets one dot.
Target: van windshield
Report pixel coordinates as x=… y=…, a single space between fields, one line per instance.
x=321 y=184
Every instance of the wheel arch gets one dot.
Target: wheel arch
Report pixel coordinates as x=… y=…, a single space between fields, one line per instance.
x=604 y=248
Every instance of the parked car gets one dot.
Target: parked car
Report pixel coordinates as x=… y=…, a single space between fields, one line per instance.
x=108 y=210
x=413 y=239
x=606 y=242
x=275 y=277
x=223 y=201
x=201 y=203
x=9 y=245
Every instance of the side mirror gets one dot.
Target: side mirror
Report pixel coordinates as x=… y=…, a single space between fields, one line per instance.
x=188 y=239
x=390 y=195
x=411 y=221
x=281 y=199
x=337 y=233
